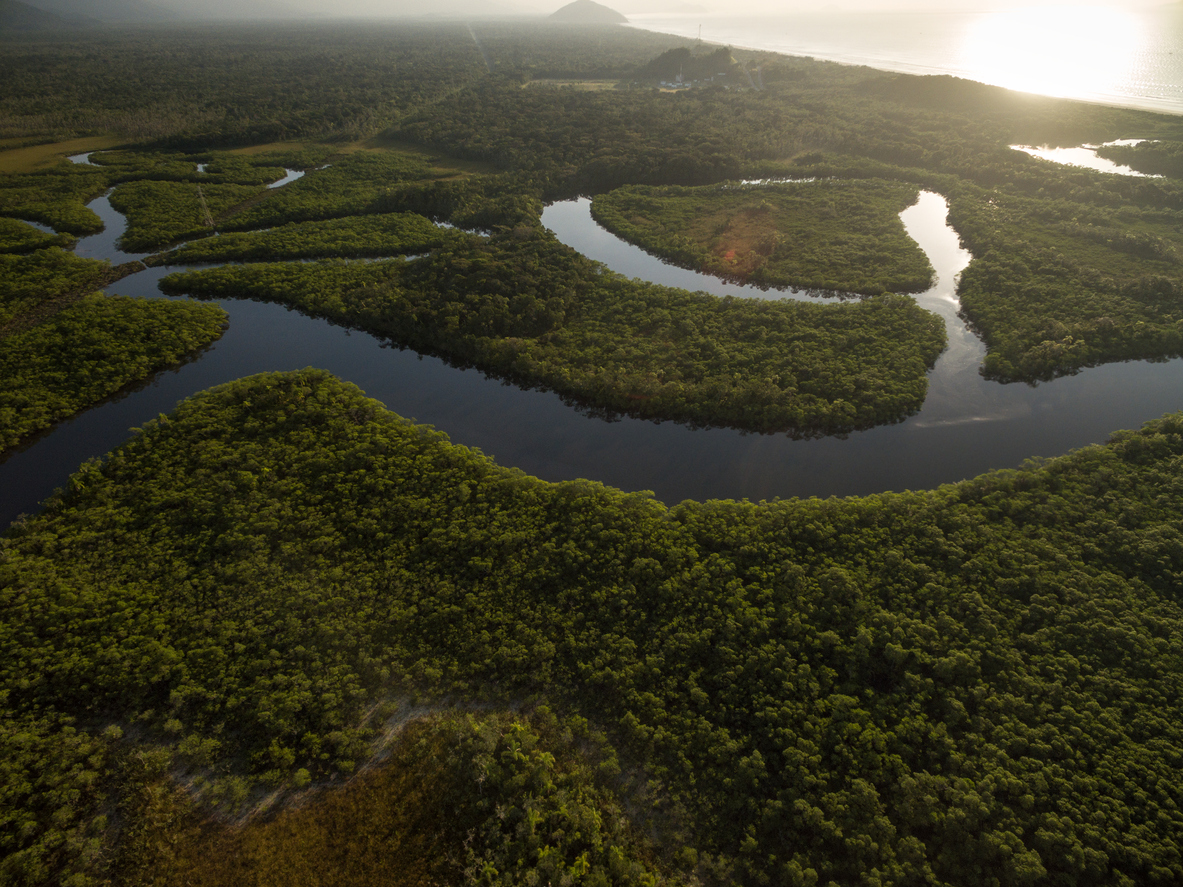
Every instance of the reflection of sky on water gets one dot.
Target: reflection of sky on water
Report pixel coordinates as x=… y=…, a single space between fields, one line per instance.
x=967 y=425
x=290 y=175
x=1085 y=156
x=1077 y=50
x=40 y=226
x=957 y=394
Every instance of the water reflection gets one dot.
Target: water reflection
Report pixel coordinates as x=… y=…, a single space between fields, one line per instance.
x=1087 y=156
x=957 y=394
x=290 y=175
x=1062 y=50
x=1129 y=56
x=966 y=420
x=967 y=426
x=572 y=221
x=105 y=244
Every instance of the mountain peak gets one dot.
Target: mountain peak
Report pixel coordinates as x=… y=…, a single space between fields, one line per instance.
x=588 y=12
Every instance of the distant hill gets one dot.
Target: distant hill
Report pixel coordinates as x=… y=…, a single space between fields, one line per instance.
x=18 y=16
x=587 y=12
x=107 y=10
x=682 y=62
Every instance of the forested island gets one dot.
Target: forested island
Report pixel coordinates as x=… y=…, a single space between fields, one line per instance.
x=285 y=636
x=830 y=235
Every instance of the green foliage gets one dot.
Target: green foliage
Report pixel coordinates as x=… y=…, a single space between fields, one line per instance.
x=64 y=347
x=220 y=168
x=532 y=310
x=89 y=351
x=1061 y=284
x=28 y=283
x=540 y=812
x=1072 y=267
x=487 y=202
x=199 y=87
x=342 y=291
x=587 y=141
x=980 y=683
x=247 y=166
x=941 y=133
x=347 y=187
x=457 y=799
x=17 y=237
x=57 y=199
x=129 y=165
x=163 y=213
x=822 y=235
x=53 y=781
x=389 y=234
x=1153 y=157
x=431 y=86
x=681 y=62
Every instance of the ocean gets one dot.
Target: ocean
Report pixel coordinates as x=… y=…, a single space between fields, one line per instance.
x=1128 y=58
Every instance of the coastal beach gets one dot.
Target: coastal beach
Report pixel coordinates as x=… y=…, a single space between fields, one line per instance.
x=1129 y=58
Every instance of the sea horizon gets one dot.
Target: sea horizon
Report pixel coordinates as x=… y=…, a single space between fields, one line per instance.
x=1131 y=59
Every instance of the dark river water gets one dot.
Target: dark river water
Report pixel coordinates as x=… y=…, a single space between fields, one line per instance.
x=967 y=426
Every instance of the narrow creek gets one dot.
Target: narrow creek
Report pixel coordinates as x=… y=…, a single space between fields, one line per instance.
x=967 y=426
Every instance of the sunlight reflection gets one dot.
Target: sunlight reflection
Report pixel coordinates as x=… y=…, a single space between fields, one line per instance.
x=1070 y=50
x=1086 y=156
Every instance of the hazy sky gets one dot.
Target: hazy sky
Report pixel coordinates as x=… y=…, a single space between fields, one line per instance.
x=384 y=8
x=772 y=6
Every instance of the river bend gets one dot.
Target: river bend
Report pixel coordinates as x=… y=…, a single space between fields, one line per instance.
x=967 y=425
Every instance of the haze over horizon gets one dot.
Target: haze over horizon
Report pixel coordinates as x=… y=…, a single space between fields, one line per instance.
x=399 y=8
x=256 y=9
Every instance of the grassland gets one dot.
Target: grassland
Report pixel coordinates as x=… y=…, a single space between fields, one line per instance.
x=30 y=158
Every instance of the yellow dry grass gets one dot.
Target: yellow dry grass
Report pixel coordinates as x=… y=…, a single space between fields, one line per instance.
x=270 y=147
x=738 y=243
x=581 y=85
x=35 y=157
x=384 y=828
x=448 y=167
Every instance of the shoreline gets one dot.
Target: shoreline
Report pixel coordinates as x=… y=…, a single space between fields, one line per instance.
x=654 y=24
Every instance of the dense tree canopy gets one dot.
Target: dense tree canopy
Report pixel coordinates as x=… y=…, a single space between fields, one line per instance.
x=976 y=683
x=281 y=585
x=818 y=235
x=90 y=350
x=534 y=311
x=64 y=346
x=1072 y=267
x=17 y=237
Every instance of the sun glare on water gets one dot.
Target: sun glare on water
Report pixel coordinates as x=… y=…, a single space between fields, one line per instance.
x=1069 y=50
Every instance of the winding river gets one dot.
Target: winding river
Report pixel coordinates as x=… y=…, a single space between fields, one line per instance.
x=967 y=426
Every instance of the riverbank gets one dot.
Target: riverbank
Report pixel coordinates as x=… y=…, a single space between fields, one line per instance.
x=966 y=427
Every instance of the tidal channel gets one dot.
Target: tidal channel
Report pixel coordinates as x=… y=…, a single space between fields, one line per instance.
x=967 y=425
